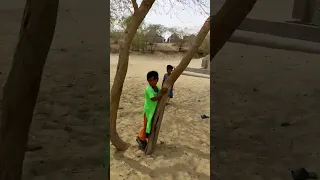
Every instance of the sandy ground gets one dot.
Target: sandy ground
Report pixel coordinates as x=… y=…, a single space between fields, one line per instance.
x=254 y=90
x=72 y=109
x=183 y=150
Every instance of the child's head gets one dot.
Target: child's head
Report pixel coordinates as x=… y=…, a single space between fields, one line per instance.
x=153 y=78
x=169 y=69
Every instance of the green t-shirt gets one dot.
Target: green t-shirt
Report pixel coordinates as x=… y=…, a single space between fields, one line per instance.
x=150 y=106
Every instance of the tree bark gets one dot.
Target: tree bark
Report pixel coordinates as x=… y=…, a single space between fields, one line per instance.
x=116 y=90
x=21 y=89
x=157 y=119
x=226 y=21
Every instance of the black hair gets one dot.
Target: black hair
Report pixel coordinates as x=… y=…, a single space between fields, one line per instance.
x=169 y=67
x=153 y=74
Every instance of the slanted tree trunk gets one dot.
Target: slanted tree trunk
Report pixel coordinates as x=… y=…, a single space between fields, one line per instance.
x=137 y=18
x=226 y=21
x=21 y=89
x=168 y=83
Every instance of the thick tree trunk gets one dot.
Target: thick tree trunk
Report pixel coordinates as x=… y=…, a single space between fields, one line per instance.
x=137 y=18
x=22 y=86
x=226 y=21
x=172 y=78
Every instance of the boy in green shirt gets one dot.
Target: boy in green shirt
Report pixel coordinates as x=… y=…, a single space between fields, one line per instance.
x=152 y=95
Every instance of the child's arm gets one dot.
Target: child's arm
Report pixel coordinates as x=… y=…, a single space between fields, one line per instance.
x=158 y=97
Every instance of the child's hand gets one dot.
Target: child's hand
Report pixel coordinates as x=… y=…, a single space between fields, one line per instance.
x=164 y=90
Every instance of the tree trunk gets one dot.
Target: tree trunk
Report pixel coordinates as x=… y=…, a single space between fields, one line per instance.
x=168 y=83
x=21 y=89
x=226 y=21
x=137 y=18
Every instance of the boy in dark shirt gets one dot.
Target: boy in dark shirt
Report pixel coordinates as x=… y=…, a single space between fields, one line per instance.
x=165 y=77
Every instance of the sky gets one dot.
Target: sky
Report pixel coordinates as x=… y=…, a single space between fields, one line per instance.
x=187 y=15
x=178 y=15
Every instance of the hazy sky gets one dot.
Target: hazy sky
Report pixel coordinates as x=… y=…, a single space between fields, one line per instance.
x=189 y=16
x=182 y=14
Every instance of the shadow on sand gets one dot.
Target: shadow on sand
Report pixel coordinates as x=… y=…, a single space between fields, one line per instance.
x=168 y=151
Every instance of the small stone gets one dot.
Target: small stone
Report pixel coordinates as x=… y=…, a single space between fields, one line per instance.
x=68 y=129
x=285 y=124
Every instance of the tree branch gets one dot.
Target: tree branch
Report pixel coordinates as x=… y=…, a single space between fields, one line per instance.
x=135 y=5
x=226 y=21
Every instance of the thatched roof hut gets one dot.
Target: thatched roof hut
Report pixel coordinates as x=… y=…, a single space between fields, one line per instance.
x=153 y=37
x=174 y=38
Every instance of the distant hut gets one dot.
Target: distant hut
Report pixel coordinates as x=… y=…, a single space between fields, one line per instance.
x=153 y=37
x=174 y=38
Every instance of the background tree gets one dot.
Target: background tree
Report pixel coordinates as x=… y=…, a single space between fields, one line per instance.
x=153 y=33
x=21 y=89
x=160 y=29
x=181 y=33
x=138 y=41
x=141 y=41
x=136 y=19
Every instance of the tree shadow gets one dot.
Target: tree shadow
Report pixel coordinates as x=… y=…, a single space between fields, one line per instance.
x=169 y=152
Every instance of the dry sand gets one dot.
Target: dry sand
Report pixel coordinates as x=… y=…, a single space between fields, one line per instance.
x=72 y=110
x=183 y=149
x=253 y=91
